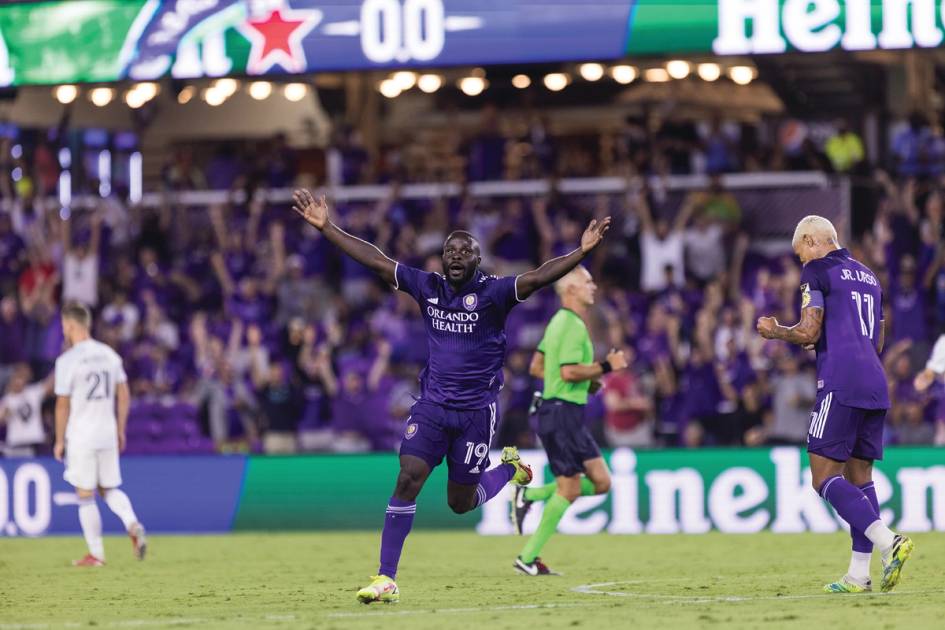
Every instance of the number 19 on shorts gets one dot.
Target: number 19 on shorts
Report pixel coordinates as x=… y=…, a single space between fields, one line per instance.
x=479 y=450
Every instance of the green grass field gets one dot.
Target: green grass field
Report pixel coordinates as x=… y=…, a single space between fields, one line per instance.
x=460 y=580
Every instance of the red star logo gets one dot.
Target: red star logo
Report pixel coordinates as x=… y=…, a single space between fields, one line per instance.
x=277 y=39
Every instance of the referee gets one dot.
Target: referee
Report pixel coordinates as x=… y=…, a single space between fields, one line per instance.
x=565 y=360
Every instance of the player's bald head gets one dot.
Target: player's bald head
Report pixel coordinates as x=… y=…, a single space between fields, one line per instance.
x=464 y=235
x=820 y=230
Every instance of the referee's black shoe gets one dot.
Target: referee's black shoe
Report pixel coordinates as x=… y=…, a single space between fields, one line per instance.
x=520 y=507
x=534 y=568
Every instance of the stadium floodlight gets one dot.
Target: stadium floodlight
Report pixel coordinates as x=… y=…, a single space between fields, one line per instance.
x=405 y=79
x=101 y=96
x=678 y=68
x=472 y=86
x=430 y=83
x=295 y=92
x=65 y=94
x=147 y=90
x=742 y=75
x=214 y=97
x=260 y=90
x=624 y=74
x=389 y=88
x=226 y=86
x=521 y=81
x=134 y=99
x=556 y=81
x=709 y=71
x=656 y=75
x=17 y=174
x=16 y=151
x=591 y=71
x=186 y=94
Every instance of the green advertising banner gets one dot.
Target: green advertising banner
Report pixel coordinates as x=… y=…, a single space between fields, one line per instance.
x=657 y=492
x=111 y=40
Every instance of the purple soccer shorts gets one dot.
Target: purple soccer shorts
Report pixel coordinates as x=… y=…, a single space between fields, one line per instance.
x=463 y=436
x=839 y=432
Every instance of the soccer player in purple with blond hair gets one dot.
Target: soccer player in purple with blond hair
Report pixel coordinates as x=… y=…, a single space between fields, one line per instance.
x=464 y=311
x=842 y=319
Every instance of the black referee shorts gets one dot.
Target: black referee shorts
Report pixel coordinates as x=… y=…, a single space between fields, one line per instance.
x=566 y=438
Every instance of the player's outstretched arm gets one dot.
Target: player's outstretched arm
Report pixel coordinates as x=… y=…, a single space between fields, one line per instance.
x=315 y=213
x=804 y=332
x=556 y=268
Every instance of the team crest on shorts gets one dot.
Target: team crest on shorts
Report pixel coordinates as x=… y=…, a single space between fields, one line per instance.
x=411 y=430
x=470 y=302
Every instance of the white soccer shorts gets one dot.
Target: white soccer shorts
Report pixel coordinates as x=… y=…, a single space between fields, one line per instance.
x=88 y=469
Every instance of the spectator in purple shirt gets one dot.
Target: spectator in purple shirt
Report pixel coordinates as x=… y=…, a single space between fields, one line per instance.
x=908 y=304
x=12 y=338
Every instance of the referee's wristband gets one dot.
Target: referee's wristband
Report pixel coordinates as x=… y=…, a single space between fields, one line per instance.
x=605 y=367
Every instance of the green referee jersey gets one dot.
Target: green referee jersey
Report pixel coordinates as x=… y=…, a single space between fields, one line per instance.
x=566 y=341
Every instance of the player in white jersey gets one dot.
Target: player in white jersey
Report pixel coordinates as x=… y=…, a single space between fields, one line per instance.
x=934 y=369
x=89 y=381
x=21 y=411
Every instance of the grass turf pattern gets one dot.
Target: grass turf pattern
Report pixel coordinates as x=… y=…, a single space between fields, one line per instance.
x=460 y=580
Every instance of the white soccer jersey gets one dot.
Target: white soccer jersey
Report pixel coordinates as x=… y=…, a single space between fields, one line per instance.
x=937 y=360
x=88 y=373
x=24 y=418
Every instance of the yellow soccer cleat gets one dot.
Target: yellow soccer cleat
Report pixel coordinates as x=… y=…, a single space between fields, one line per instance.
x=381 y=589
x=893 y=561
x=846 y=584
x=523 y=472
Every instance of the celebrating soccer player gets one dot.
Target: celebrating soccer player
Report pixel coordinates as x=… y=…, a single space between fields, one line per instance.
x=455 y=417
x=89 y=379
x=842 y=317
x=565 y=360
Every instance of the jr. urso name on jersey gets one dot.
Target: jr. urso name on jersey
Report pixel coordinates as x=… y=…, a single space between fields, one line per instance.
x=861 y=276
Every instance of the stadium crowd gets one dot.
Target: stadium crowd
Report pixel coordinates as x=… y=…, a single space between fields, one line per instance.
x=243 y=329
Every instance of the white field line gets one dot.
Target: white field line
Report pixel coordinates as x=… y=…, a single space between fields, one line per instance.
x=593 y=589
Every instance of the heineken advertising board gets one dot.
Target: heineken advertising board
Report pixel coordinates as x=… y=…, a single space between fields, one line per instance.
x=112 y=40
x=654 y=492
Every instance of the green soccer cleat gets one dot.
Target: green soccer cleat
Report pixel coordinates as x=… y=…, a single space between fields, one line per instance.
x=381 y=589
x=523 y=472
x=846 y=584
x=893 y=561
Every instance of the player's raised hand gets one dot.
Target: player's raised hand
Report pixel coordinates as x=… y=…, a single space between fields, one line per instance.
x=594 y=234
x=314 y=211
x=766 y=327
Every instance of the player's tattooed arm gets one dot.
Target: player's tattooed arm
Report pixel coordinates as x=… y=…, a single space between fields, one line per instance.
x=881 y=343
x=315 y=213
x=556 y=268
x=805 y=332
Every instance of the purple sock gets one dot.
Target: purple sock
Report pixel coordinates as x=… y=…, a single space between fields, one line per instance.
x=860 y=541
x=849 y=502
x=492 y=481
x=397 y=525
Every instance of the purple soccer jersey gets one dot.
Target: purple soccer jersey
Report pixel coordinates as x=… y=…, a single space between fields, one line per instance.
x=847 y=362
x=466 y=335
